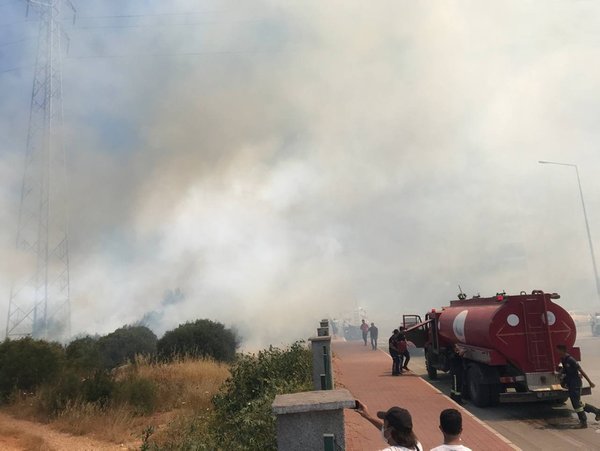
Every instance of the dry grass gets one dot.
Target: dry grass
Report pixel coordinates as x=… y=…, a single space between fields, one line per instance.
x=185 y=383
x=115 y=424
x=25 y=407
x=184 y=388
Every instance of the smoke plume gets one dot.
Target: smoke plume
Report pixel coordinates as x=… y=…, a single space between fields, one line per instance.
x=281 y=162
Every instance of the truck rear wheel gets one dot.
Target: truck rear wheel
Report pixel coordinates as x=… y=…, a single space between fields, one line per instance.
x=495 y=390
x=431 y=370
x=479 y=393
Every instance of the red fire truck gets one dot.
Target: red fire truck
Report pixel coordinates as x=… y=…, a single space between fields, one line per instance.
x=509 y=345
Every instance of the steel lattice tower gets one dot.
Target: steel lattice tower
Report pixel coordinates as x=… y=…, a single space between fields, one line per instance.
x=39 y=304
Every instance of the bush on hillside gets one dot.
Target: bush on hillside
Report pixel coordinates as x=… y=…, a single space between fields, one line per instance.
x=83 y=354
x=70 y=389
x=25 y=364
x=243 y=417
x=201 y=338
x=124 y=344
x=138 y=393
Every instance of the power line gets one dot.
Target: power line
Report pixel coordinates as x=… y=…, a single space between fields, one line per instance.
x=15 y=42
x=18 y=22
x=120 y=16
x=15 y=69
x=7 y=3
x=212 y=52
x=187 y=24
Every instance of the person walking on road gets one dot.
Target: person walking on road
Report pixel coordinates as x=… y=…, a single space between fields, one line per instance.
x=572 y=381
x=393 y=348
x=404 y=354
x=451 y=427
x=373 y=333
x=364 y=327
x=396 y=427
x=456 y=372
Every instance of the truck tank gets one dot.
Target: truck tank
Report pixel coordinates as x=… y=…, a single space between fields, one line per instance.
x=524 y=328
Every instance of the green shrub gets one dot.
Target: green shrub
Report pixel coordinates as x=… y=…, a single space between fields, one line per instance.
x=243 y=417
x=84 y=354
x=71 y=388
x=57 y=396
x=98 y=389
x=25 y=364
x=201 y=338
x=139 y=393
x=124 y=344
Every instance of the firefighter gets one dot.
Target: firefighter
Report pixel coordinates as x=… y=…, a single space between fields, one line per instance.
x=456 y=371
x=572 y=381
x=393 y=348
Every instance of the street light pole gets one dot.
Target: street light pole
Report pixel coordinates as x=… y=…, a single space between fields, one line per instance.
x=587 y=225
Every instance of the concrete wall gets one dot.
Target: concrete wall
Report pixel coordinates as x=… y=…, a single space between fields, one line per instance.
x=303 y=418
x=304 y=431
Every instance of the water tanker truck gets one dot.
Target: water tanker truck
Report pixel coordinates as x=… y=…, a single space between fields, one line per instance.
x=508 y=345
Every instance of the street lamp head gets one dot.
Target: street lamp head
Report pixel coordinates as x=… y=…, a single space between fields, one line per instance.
x=557 y=163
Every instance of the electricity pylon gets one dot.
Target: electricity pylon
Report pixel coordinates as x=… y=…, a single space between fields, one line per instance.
x=39 y=303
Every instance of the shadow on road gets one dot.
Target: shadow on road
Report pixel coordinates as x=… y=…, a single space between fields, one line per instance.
x=540 y=415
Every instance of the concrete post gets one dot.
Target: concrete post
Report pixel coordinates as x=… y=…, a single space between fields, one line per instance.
x=304 y=419
x=323 y=329
x=322 y=368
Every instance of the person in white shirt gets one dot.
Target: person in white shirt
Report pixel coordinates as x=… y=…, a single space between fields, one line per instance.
x=396 y=428
x=451 y=427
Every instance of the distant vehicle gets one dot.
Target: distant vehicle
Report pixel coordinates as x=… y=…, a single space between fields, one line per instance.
x=352 y=332
x=595 y=322
x=580 y=318
x=509 y=345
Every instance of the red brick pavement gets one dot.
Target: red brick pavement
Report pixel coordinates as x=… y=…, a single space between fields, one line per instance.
x=367 y=374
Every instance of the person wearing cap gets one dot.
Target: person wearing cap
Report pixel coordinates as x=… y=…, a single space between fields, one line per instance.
x=451 y=427
x=396 y=427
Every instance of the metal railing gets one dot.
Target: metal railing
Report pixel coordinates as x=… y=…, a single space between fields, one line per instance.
x=326 y=379
x=330 y=443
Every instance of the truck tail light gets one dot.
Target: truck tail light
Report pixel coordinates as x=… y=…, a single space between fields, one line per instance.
x=507 y=380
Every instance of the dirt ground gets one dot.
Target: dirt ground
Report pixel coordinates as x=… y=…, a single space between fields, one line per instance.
x=21 y=435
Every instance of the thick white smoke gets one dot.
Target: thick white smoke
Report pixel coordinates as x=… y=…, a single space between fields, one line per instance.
x=285 y=161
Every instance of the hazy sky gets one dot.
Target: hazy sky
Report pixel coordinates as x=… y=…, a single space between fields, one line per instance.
x=284 y=161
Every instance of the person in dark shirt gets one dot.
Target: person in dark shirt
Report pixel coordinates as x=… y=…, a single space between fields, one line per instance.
x=572 y=381
x=373 y=333
x=393 y=348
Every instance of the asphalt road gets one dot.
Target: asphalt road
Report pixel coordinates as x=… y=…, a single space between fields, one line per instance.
x=540 y=426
